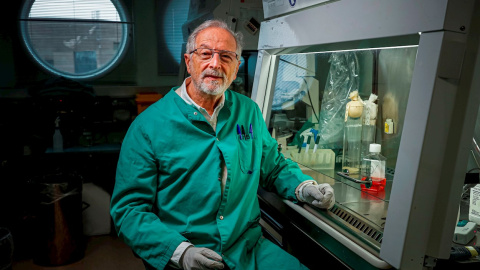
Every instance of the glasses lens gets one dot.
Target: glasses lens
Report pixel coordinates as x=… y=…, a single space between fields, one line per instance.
x=226 y=56
x=207 y=54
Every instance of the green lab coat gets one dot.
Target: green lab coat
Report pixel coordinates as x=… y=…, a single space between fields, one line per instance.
x=168 y=182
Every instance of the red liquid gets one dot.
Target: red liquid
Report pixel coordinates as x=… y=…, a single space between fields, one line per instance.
x=378 y=184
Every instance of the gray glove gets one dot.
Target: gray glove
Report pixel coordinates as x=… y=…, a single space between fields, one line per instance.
x=200 y=259
x=320 y=195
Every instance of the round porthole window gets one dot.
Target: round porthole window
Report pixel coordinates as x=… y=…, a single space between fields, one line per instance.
x=76 y=39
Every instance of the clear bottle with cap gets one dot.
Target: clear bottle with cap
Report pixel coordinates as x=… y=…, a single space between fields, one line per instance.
x=352 y=136
x=57 y=137
x=373 y=168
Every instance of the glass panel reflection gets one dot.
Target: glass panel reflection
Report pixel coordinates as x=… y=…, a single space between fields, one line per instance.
x=329 y=107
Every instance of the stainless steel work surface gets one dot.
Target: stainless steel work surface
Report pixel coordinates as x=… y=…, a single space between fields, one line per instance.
x=368 y=206
x=372 y=206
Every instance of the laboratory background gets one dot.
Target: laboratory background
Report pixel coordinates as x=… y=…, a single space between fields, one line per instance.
x=379 y=99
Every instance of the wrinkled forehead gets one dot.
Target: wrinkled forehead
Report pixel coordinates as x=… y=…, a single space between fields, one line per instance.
x=216 y=38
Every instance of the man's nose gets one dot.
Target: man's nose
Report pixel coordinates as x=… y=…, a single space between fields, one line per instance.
x=215 y=62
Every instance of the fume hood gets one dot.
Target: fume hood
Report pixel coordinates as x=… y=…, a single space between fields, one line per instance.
x=415 y=62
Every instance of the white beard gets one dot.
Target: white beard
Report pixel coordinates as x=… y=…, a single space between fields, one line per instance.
x=213 y=88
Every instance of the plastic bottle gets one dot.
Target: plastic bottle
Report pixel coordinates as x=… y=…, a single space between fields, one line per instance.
x=352 y=137
x=389 y=128
x=57 y=137
x=373 y=167
x=369 y=123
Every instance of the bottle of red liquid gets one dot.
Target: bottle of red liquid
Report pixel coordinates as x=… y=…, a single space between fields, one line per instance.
x=373 y=168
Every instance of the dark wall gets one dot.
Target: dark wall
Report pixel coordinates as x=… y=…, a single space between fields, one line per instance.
x=15 y=65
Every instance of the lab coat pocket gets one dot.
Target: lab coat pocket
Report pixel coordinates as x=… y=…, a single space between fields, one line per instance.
x=247 y=155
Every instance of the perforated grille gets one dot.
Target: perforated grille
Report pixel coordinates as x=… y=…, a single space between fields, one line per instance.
x=358 y=224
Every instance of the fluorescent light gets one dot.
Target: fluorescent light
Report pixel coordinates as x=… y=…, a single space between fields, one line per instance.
x=356 y=50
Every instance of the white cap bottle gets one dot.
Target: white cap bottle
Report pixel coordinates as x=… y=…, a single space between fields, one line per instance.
x=57 y=137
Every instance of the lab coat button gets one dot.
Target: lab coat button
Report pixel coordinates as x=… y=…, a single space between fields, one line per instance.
x=221 y=217
x=218 y=139
x=195 y=113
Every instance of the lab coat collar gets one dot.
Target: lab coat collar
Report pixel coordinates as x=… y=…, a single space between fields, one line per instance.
x=193 y=114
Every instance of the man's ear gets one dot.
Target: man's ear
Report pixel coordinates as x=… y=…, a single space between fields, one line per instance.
x=187 y=62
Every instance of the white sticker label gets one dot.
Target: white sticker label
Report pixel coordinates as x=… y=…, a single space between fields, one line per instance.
x=474 y=214
x=377 y=169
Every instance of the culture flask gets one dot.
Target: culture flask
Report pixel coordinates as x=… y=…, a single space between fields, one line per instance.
x=373 y=168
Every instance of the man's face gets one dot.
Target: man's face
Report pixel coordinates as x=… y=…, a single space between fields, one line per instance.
x=212 y=76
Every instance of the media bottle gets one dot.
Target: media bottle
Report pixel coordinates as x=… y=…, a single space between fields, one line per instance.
x=352 y=136
x=373 y=168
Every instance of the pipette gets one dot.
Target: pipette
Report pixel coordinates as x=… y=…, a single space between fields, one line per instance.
x=300 y=144
x=317 y=140
x=308 y=144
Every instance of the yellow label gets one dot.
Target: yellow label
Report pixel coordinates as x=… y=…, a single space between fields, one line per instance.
x=386 y=127
x=473 y=251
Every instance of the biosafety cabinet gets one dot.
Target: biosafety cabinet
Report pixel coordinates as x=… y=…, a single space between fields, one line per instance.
x=333 y=77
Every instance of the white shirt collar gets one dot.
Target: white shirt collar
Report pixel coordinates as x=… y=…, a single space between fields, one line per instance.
x=182 y=92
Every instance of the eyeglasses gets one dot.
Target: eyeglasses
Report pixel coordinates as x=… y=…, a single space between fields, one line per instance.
x=206 y=54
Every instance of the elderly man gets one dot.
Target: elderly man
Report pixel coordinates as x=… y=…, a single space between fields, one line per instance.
x=185 y=195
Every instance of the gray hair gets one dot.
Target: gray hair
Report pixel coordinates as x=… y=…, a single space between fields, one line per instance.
x=191 y=42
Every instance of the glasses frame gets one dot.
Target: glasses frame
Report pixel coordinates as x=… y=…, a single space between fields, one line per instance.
x=214 y=51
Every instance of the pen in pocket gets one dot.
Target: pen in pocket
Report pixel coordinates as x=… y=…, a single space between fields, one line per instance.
x=239 y=132
x=244 y=134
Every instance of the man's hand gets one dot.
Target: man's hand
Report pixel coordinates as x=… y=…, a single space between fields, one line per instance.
x=200 y=259
x=320 y=195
